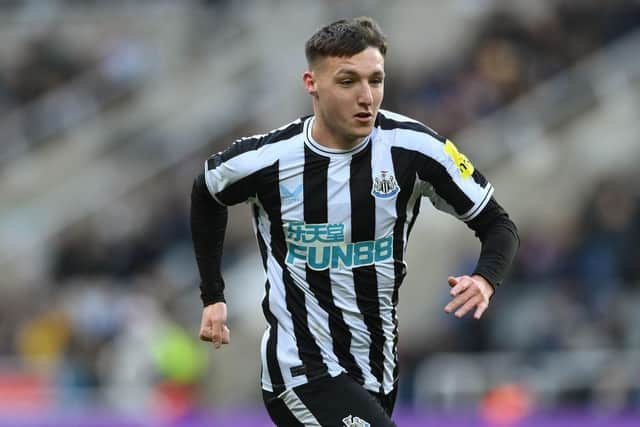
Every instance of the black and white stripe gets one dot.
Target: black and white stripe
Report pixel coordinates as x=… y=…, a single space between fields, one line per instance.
x=324 y=319
x=365 y=280
x=345 y=296
x=316 y=207
x=298 y=409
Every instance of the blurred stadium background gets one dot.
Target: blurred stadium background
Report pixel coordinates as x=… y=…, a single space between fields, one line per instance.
x=109 y=109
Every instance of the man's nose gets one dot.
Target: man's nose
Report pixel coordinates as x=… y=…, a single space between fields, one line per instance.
x=365 y=96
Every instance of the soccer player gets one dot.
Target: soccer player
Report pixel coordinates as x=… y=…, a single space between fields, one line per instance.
x=334 y=198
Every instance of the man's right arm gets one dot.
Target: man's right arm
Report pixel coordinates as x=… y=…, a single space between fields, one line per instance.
x=208 y=227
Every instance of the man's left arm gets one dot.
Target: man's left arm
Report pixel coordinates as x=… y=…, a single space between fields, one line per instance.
x=455 y=186
x=499 y=238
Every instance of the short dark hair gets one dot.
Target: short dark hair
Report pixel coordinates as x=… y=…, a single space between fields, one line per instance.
x=345 y=38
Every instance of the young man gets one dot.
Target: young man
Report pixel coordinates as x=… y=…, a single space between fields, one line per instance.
x=334 y=198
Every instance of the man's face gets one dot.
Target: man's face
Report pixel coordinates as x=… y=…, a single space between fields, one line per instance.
x=347 y=93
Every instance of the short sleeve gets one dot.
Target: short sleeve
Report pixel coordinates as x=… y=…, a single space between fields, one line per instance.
x=451 y=181
x=231 y=174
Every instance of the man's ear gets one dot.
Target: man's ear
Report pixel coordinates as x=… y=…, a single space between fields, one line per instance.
x=309 y=80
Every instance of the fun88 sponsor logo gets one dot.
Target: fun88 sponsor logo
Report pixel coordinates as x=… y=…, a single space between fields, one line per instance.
x=322 y=246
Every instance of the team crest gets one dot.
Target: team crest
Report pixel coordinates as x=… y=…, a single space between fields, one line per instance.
x=385 y=185
x=352 y=421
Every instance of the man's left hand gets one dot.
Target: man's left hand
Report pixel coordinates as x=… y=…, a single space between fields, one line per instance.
x=469 y=292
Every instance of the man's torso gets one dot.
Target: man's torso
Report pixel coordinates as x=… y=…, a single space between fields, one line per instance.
x=332 y=227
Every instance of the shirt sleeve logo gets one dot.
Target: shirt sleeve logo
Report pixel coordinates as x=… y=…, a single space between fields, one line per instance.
x=385 y=185
x=461 y=161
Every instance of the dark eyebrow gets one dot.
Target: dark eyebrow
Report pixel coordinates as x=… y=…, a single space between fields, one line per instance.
x=376 y=73
x=347 y=72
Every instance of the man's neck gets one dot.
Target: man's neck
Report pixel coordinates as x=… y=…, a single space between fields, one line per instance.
x=325 y=137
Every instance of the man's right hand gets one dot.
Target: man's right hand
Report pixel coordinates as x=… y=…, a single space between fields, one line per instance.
x=213 y=327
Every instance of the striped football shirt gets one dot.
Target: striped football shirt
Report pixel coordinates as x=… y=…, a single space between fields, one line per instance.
x=332 y=227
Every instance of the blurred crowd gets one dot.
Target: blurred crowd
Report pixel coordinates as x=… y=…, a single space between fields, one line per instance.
x=44 y=64
x=507 y=57
x=48 y=85
x=116 y=314
x=575 y=286
x=108 y=324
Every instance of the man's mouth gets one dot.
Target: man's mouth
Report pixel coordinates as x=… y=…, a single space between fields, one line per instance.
x=363 y=116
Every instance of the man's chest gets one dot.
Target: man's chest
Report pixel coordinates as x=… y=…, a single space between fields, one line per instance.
x=367 y=188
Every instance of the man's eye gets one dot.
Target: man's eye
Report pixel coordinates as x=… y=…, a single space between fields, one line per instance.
x=346 y=82
x=376 y=82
